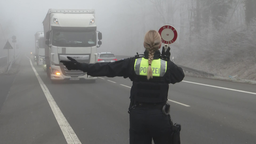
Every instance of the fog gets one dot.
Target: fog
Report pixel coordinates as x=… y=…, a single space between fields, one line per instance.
x=216 y=48
x=123 y=23
x=114 y=18
x=220 y=31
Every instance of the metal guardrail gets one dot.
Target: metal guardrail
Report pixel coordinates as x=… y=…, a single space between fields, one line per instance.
x=196 y=72
x=6 y=66
x=3 y=59
x=11 y=63
x=9 y=67
x=3 y=64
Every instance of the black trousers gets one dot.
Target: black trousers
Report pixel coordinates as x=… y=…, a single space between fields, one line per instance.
x=147 y=124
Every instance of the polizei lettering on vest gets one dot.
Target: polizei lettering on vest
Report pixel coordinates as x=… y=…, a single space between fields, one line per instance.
x=143 y=69
x=154 y=70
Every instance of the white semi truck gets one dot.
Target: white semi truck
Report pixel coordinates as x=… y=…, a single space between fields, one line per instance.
x=73 y=33
x=39 y=48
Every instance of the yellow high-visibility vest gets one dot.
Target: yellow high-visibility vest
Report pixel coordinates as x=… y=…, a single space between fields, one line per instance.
x=158 y=66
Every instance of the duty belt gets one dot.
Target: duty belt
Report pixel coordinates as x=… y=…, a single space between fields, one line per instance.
x=164 y=107
x=149 y=105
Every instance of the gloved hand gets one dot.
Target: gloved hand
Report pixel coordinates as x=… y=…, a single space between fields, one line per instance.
x=166 y=54
x=72 y=64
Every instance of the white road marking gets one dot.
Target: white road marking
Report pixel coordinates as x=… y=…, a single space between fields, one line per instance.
x=125 y=86
x=179 y=103
x=65 y=127
x=224 y=88
x=111 y=81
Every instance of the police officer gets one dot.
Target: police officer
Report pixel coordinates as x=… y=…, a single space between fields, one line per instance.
x=151 y=76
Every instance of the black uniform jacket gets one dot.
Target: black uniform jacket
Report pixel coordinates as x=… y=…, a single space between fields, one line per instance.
x=125 y=68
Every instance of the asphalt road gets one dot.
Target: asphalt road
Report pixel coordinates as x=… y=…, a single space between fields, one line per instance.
x=39 y=112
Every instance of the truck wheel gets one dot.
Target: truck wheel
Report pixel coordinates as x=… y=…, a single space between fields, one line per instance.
x=48 y=70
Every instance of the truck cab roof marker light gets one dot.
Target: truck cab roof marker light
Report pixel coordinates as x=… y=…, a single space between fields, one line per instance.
x=92 y=21
x=55 y=20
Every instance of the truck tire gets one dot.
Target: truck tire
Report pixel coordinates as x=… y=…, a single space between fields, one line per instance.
x=48 y=71
x=37 y=59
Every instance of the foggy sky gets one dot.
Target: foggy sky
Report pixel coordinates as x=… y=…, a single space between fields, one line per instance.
x=23 y=18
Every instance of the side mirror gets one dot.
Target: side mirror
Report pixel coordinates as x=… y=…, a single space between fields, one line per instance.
x=47 y=42
x=99 y=43
x=36 y=43
x=99 y=35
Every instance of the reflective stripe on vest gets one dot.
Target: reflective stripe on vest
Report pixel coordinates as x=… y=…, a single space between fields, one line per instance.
x=158 y=66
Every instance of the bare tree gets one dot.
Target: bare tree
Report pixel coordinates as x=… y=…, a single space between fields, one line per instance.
x=250 y=11
x=166 y=9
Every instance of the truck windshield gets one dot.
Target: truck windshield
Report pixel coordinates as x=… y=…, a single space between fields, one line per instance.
x=74 y=38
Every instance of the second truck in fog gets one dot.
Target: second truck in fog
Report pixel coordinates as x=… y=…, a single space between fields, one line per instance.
x=39 y=48
x=70 y=32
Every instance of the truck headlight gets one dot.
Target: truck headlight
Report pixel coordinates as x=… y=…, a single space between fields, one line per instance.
x=56 y=72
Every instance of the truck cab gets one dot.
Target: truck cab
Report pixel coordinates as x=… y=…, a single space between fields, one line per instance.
x=39 y=48
x=70 y=33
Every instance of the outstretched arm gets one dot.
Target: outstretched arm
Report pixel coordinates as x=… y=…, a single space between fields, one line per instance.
x=118 y=68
